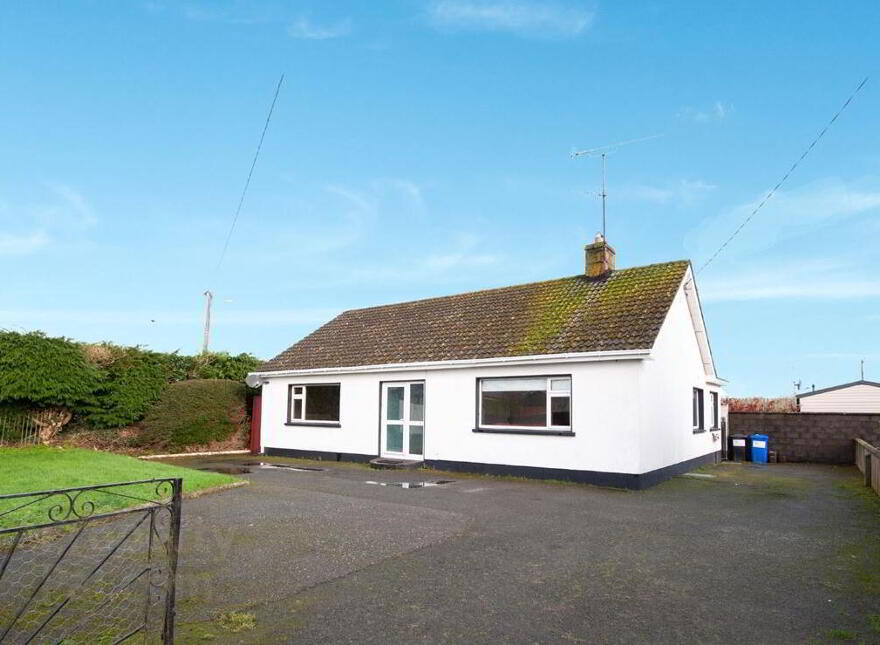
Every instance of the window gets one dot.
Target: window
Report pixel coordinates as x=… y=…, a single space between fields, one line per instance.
x=698 y=410
x=716 y=419
x=527 y=403
x=317 y=403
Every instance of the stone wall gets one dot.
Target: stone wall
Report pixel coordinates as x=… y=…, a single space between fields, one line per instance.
x=818 y=438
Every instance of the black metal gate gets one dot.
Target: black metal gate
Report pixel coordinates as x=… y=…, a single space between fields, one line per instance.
x=76 y=567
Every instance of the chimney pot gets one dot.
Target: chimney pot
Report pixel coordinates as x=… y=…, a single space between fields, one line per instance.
x=598 y=258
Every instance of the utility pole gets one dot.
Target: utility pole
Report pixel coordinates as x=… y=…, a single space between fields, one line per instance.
x=862 y=362
x=209 y=298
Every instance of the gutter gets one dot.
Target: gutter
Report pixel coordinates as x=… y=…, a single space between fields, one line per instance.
x=254 y=378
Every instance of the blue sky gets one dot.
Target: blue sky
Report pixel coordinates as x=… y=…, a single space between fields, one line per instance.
x=421 y=148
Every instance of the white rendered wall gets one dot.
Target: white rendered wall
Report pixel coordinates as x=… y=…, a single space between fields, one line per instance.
x=860 y=398
x=666 y=385
x=358 y=416
x=605 y=417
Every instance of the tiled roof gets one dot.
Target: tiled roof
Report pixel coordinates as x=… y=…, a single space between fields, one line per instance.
x=622 y=310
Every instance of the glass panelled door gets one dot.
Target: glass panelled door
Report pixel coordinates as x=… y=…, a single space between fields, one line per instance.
x=403 y=420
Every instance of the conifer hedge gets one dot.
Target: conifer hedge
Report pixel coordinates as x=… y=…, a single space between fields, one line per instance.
x=104 y=385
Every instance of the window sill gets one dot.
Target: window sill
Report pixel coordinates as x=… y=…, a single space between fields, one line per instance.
x=314 y=424
x=551 y=433
x=699 y=430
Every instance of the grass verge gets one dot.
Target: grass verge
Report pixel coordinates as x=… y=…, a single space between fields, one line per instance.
x=44 y=468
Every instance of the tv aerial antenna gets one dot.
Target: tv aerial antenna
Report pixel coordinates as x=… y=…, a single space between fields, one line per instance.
x=604 y=151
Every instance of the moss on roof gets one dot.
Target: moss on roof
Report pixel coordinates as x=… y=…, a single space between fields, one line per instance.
x=620 y=311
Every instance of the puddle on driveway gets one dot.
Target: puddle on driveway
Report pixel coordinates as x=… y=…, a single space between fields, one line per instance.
x=227 y=470
x=304 y=469
x=439 y=482
x=247 y=467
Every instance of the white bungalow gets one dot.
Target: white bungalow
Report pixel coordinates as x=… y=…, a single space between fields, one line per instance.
x=605 y=377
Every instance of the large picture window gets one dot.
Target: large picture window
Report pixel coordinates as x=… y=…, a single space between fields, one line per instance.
x=317 y=403
x=528 y=403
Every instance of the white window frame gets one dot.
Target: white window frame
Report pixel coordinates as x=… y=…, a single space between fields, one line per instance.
x=698 y=409
x=715 y=403
x=547 y=427
x=292 y=397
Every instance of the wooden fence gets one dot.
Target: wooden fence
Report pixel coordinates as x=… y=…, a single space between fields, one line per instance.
x=868 y=461
x=20 y=427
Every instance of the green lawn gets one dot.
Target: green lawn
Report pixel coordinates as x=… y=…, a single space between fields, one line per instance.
x=42 y=468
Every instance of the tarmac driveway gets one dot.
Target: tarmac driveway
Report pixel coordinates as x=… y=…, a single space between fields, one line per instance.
x=784 y=553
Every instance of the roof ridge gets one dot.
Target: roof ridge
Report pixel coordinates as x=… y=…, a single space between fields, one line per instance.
x=620 y=311
x=840 y=386
x=512 y=286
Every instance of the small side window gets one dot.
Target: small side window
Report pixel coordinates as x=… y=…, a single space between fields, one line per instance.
x=716 y=417
x=698 y=409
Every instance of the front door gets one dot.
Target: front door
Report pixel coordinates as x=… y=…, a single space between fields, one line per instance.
x=403 y=420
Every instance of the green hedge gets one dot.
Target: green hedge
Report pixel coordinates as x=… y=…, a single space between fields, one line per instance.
x=195 y=412
x=105 y=385
x=129 y=383
x=224 y=366
x=41 y=371
x=211 y=365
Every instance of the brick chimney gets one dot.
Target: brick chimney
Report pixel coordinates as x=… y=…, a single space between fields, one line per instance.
x=598 y=258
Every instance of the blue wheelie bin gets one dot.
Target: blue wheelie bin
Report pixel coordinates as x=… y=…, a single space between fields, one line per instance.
x=758 y=448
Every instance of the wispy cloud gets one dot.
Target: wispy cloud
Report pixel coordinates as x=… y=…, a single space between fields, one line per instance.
x=405 y=187
x=718 y=111
x=341 y=216
x=801 y=280
x=461 y=256
x=323 y=223
x=303 y=28
x=228 y=12
x=73 y=205
x=222 y=316
x=847 y=356
x=514 y=16
x=465 y=254
x=789 y=214
x=31 y=227
x=14 y=245
x=685 y=192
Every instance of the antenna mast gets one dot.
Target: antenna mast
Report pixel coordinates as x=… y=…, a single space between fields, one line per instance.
x=603 y=195
x=604 y=151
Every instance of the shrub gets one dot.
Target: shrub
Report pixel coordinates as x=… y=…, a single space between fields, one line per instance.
x=131 y=379
x=104 y=385
x=224 y=366
x=195 y=412
x=42 y=371
x=178 y=367
x=762 y=404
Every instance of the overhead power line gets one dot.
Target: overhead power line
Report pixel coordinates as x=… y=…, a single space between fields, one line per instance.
x=785 y=177
x=250 y=174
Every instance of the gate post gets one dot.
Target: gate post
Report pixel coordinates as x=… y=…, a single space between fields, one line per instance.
x=256 y=413
x=173 y=548
x=868 y=465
